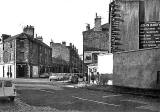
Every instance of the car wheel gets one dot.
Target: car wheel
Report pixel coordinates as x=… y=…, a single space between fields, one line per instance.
x=11 y=98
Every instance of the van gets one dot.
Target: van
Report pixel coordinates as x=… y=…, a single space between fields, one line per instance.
x=7 y=89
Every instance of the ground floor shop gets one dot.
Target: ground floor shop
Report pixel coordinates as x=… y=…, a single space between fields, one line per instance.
x=23 y=70
x=7 y=70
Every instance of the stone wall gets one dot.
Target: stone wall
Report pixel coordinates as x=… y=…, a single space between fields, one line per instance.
x=33 y=52
x=137 y=69
x=95 y=40
x=8 y=52
x=1 y=53
x=22 y=49
x=152 y=10
x=60 y=52
x=133 y=13
x=129 y=27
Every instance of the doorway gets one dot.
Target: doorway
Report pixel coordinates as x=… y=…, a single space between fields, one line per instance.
x=21 y=70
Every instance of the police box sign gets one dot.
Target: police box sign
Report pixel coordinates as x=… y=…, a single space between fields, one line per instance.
x=149 y=34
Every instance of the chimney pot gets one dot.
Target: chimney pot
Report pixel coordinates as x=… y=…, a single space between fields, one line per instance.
x=88 y=27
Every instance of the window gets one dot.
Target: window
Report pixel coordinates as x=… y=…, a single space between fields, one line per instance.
x=3 y=71
x=40 y=48
x=21 y=55
x=21 y=43
x=10 y=44
x=158 y=77
x=0 y=84
x=45 y=50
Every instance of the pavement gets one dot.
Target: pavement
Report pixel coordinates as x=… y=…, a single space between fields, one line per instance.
x=126 y=90
x=32 y=81
x=105 y=88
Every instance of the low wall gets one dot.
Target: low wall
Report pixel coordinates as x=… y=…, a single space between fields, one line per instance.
x=137 y=69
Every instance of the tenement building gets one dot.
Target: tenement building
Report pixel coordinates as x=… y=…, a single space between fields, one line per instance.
x=75 y=63
x=65 y=59
x=135 y=28
x=25 y=55
x=60 y=57
x=95 y=41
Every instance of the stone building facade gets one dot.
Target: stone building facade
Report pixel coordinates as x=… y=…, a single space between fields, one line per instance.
x=25 y=56
x=124 y=21
x=65 y=59
x=60 y=57
x=8 y=60
x=135 y=27
x=133 y=24
x=95 y=41
x=75 y=63
x=1 y=59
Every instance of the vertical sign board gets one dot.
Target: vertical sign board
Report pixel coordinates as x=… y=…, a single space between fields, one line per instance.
x=149 y=34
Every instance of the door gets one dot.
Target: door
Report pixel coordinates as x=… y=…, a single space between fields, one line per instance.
x=1 y=89
x=20 y=71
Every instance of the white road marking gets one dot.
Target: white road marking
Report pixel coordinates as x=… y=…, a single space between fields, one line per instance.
x=46 y=91
x=147 y=107
x=136 y=101
x=110 y=96
x=95 y=101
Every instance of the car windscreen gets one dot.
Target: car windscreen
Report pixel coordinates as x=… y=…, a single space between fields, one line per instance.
x=7 y=84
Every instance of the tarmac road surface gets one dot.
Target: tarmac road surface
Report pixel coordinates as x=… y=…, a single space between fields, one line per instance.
x=60 y=98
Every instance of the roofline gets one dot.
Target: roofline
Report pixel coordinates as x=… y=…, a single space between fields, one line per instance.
x=29 y=37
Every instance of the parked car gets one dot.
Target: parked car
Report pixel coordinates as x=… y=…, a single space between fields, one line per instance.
x=44 y=75
x=7 y=89
x=55 y=77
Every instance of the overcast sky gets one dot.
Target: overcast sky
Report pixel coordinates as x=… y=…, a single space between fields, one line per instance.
x=59 y=20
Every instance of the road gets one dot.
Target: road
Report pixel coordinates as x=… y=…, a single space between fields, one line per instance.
x=59 y=98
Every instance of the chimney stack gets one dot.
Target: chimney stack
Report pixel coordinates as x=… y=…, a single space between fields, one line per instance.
x=5 y=36
x=40 y=38
x=64 y=43
x=88 y=27
x=70 y=44
x=29 y=30
x=97 y=26
x=51 y=43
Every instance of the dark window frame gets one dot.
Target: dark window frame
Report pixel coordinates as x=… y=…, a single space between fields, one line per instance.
x=158 y=77
x=21 y=43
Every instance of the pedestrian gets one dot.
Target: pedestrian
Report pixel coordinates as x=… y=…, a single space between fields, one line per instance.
x=8 y=74
x=86 y=75
x=98 y=76
x=92 y=77
x=11 y=75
